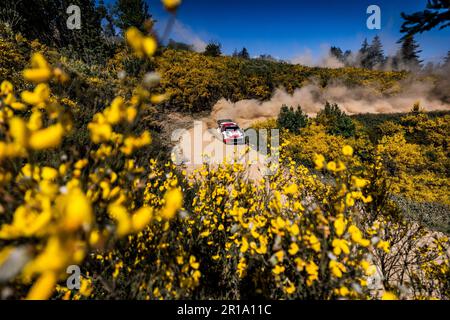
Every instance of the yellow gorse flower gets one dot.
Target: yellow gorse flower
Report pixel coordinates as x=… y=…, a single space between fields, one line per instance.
x=337 y=268
x=387 y=295
x=38 y=97
x=47 y=138
x=171 y=5
x=141 y=45
x=173 y=202
x=43 y=287
x=339 y=246
x=40 y=72
x=347 y=150
x=77 y=210
x=340 y=225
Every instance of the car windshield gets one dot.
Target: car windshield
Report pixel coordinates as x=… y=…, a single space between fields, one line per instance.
x=231 y=128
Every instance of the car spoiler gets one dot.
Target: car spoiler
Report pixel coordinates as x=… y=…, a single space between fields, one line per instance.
x=219 y=122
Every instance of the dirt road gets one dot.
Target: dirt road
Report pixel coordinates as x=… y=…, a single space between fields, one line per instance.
x=200 y=143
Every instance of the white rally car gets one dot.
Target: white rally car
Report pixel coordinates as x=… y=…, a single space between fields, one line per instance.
x=230 y=132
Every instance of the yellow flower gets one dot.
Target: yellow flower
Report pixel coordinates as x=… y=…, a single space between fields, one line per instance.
x=35 y=121
x=384 y=245
x=114 y=113
x=85 y=287
x=193 y=263
x=278 y=269
x=94 y=237
x=359 y=183
x=141 y=218
x=319 y=161
x=40 y=95
x=53 y=258
x=291 y=189
x=339 y=225
x=337 y=268
x=389 y=296
x=149 y=45
x=294 y=230
x=158 y=98
x=340 y=245
x=300 y=264
x=347 y=150
x=290 y=289
x=120 y=214
x=314 y=243
x=141 y=44
x=293 y=249
x=357 y=236
x=241 y=267
x=171 y=5
x=244 y=245
x=279 y=223
x=349 y=200
x=6 y=88
x=343 y=291
x=134 y=38
x=47 y=138
x=173 y=202
x=40 y=72
x=78 y=210
x=279 y=255
x=312 y=269
x=331 y=166
x=43 y=287
x=368 y=268
x=37 y=75
x=49 y=173
x=18 y=131
x=100 y=132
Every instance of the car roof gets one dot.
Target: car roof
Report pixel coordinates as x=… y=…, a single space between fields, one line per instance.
x=229 y=124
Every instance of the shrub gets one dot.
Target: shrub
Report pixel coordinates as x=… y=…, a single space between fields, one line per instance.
x=292 y=120
x=336 y=121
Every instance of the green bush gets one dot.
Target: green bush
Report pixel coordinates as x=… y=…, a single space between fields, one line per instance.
x=291 y=119
x=336 y=121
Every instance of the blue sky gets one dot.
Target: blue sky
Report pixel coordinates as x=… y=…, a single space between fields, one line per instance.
x=288 y=29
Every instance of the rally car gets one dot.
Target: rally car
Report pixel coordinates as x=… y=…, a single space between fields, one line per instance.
x=230 y=132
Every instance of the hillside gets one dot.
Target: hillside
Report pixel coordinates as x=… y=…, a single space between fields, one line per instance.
x=354 y=207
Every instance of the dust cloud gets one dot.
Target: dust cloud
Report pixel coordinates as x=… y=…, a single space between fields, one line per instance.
x=312 y=99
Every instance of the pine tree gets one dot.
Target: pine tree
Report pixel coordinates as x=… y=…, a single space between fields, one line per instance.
x=131 y=13
x=363 y=54
x=337 y=53
x=409 y=53
x=375 y=54
x=436 y=14
x=244 y=54
x=105 y=13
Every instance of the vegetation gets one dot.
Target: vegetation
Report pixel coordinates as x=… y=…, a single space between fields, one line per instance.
x=292 y=120
x=131 y=13
x=213 y=49
x=336 y=121
x=84 y=180
x=436 y=14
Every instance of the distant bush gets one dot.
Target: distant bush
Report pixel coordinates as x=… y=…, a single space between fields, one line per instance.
x=291 y=119
x=336 y=121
